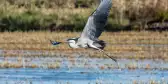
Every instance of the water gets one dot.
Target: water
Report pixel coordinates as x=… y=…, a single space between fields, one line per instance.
x=84 y=76
x=84 y=70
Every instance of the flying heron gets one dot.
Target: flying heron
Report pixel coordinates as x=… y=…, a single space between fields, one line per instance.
x=93 y=29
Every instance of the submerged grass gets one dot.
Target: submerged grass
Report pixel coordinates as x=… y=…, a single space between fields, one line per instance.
x=132 y=45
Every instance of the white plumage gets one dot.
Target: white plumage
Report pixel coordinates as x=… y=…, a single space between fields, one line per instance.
x=93 y=29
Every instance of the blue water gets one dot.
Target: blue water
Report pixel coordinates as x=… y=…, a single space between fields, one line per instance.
x=79 y=75
x=84 y=70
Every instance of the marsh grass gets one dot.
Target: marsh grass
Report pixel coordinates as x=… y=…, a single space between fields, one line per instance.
x=20 y=65
x=10 y=65
x=132 y=45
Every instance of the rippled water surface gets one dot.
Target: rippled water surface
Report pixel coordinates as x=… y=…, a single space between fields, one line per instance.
x=84 y=70
x=76 y=75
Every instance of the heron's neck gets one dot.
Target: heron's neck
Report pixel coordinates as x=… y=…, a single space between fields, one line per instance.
x=73 y=45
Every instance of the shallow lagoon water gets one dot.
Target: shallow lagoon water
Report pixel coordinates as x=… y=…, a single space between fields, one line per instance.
x=84 y=76
x=85 y=70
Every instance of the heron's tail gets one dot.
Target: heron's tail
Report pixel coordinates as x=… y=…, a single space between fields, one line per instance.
x=100 y=44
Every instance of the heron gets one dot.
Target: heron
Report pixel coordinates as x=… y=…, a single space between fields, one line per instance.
x=93 y=29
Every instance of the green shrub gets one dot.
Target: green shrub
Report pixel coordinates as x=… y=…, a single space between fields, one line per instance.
x=38 y=3
x=78 y=22
x=26 y=21
x=84 y=3
x=162 y=15
x=29 y=15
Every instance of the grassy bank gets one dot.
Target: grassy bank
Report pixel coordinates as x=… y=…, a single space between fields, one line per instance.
x=140 y=45
x=55 y=15
x=43 y=19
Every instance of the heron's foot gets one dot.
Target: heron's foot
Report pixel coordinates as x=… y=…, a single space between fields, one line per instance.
x=111 y=57
x=114 y=59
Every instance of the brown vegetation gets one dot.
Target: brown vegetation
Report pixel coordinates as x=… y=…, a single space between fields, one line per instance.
x=132 y=45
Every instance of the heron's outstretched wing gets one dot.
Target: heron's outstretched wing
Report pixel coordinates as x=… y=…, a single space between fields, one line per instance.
x=96 y=22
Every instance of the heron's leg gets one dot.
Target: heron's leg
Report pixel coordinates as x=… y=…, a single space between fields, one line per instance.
x=108 y=55
x=92 y=46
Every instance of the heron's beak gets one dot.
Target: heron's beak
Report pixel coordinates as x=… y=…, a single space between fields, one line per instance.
x=63 y=41
x=57 y=43
x=54 y=42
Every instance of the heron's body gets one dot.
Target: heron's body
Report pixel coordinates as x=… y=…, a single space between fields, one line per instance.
x=86 y=43
x=93 y=29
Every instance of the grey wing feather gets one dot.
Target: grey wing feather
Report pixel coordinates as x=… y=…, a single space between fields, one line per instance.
x=96 y=22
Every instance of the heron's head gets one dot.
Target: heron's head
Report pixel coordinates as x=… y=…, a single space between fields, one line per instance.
x=72 y=40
